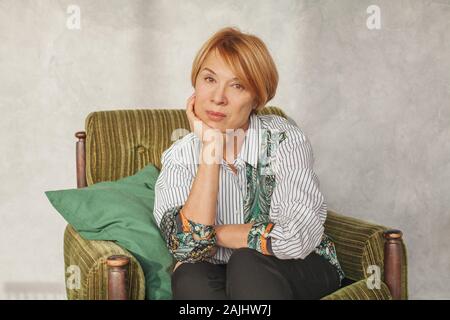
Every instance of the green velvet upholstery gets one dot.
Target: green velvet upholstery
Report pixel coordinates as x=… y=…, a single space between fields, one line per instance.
x=90 y=257
x=359 y=291
x=360 y=244
x=121 y=142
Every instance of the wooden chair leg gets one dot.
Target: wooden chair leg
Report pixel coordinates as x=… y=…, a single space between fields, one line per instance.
x=81 y=159
x=118 y=277
x=393 y=252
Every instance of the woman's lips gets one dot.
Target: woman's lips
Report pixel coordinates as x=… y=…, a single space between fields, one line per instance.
x=215 y=116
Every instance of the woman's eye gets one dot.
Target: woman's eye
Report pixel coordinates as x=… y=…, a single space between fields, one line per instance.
x=237 y=85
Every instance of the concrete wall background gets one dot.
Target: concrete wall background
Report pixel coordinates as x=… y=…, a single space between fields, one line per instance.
x=375 y=104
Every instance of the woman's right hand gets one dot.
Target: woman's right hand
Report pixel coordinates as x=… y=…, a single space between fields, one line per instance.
x=198 y=126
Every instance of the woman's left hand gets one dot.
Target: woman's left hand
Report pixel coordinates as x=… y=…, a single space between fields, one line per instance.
x=232 y=236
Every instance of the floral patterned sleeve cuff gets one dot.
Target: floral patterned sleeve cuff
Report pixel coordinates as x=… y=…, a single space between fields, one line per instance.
x=188 y=241
x=259 y=239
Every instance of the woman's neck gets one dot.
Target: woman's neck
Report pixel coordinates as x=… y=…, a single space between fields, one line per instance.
x=233 y=143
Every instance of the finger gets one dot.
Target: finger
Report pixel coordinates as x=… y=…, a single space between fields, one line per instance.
x=190 y=101
x=192 y=117
x=190 y=98
x=190 y=111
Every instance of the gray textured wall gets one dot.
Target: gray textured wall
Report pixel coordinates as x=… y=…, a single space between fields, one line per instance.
x=375 y=104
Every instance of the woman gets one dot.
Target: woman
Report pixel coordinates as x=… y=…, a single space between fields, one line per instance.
x=237 y=199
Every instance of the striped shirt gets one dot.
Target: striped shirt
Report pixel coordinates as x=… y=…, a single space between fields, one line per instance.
x=297 y=208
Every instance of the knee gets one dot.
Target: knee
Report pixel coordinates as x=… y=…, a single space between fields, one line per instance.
x=243 y=259
x=251 y=275
x=242 y=271
x=182 y=281
x=200 y=281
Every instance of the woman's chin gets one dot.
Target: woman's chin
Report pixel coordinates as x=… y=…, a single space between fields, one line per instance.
x=214 y=125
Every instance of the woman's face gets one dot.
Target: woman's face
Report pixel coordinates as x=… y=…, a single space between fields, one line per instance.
x=221 y=101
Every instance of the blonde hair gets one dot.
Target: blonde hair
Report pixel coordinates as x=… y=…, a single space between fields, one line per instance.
x=248 y=58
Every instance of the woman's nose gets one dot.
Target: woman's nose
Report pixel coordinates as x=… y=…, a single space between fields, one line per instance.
x=219 y=96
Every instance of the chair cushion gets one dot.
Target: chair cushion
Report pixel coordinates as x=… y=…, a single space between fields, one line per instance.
x=122 y=211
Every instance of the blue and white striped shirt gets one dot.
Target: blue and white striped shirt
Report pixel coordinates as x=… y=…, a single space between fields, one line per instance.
x=298 y=209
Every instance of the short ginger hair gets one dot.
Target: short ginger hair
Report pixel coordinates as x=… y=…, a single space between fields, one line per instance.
x=249 y=59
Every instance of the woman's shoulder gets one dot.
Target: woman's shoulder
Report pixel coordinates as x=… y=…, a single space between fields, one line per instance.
x=286 y=127
x=287 y=141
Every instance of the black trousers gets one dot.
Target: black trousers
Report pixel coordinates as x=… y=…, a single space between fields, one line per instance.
x=252 y=275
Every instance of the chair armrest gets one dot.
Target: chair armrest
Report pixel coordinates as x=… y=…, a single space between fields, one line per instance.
x=360 y=244
x=89 y=258
x=360 y=291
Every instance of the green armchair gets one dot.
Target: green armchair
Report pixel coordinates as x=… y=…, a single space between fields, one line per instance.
x=118 y=143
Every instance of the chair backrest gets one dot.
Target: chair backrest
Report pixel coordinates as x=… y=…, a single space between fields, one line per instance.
x=121 y=142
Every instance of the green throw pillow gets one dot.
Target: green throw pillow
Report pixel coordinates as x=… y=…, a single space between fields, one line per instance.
x=122 y=211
